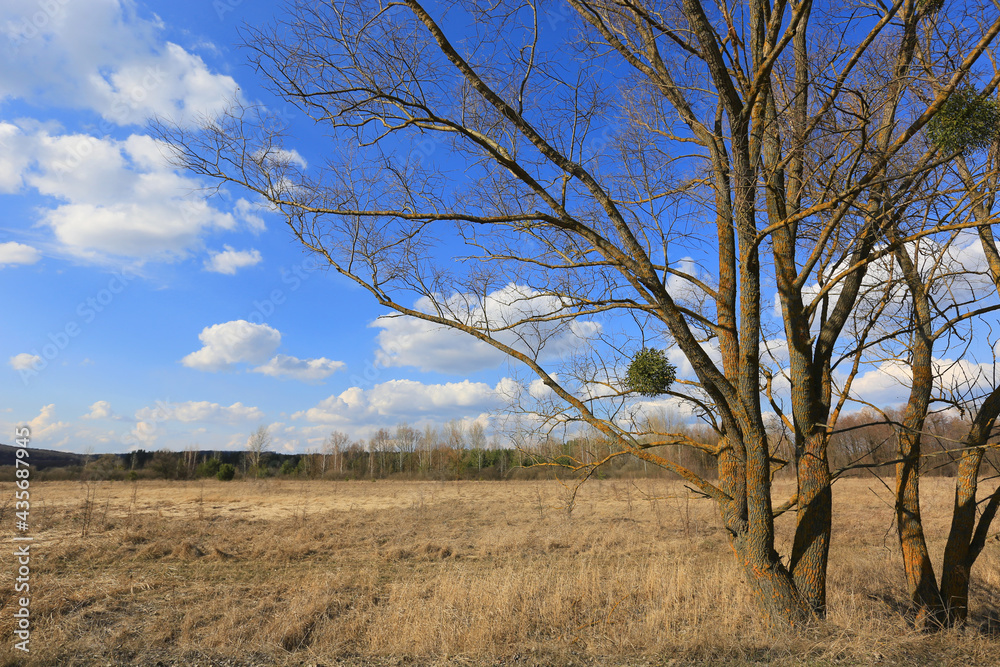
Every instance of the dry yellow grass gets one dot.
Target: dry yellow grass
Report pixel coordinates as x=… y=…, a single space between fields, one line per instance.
x=286 y=572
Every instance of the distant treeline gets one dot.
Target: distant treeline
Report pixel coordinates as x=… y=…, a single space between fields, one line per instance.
x=352 y=463
x=863 y=443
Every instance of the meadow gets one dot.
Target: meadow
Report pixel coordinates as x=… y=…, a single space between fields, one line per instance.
x=289 y=572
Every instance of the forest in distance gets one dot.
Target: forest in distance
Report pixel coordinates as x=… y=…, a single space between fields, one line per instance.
x=864 y=445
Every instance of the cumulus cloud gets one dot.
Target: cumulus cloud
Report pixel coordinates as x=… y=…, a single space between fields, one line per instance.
x=677 y=357
x=539 y=390
x=100 y=410
x=307 y=370
x=142 y=435
x=17 y=253
x=239 y=341
x=407 y=341
x=399 y=400
x=119 y=198
x=105 y=57
x=114 y=199
x=15 y=156
x=248 y=214
x=153 y=422
x=24 y=361
x=233 y=342
x=197 y=411
x=45 y=427
x=229 y=261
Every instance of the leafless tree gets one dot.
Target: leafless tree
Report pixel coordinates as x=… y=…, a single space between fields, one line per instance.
x=378 y=445
x=406 y=441
x=257 y=445
x=946 y=297
x=335 y=444
x=639 y=175
x=428 y=443
x=477 y=440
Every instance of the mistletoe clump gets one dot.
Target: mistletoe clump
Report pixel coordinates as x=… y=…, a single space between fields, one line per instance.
x=650 y=374
x=968 y=122
x=930 y=7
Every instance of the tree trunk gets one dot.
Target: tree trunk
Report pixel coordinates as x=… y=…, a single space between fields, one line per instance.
x=965 y=540
x=957 y=565
x=811 y=546
x=773 y=587
x=916 y=560
x=920 y=578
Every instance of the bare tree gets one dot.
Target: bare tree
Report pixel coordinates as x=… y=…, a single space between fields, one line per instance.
x=406 y=441
x=378 y=444
x=634 y=184
x=257 y=445
x=455 y=434
x=335 y=444
x=428 y=443
x=946 y=297
x=477 y=441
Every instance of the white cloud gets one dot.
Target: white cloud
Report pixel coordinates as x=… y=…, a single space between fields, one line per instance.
x=45 y=427
x=24 y=361
x=116 y=199
x=239 y=341
x=120 y=199
x=407 y=341
x=539 y=390
x=672 y=406
x=15 y=157
x=683 y=290
x=100 y=410
x=229 y=261
x=889 y=383
x=307 y=370
x=677 y=357
x=357 y=409
x=233 y=342
x=101 y=55
x=197 y=411
x=277 y=157
x=142 y=435
x=248 y=213
x=773 y=350
x=17 y=253
x=154 y=422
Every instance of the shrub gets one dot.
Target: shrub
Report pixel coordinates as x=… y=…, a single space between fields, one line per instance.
x=209 y=468
x=226 y=472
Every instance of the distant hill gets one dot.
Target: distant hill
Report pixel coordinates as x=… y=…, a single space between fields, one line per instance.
x=42 y=458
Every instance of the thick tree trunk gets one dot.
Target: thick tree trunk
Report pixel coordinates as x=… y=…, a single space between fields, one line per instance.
x=751 y=537
x=917 y=565
x=811 y=547
x=957 y=564
x=772 y=584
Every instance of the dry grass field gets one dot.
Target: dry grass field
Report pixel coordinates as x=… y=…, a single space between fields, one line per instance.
x=470 y=573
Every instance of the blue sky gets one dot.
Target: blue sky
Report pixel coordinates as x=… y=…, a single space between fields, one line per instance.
x=140 y=313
